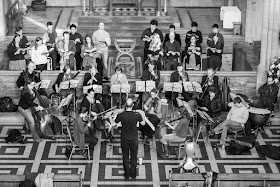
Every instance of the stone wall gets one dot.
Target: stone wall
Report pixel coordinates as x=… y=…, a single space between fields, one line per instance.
x=177 y=3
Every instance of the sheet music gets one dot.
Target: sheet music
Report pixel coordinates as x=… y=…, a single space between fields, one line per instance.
x=145 y=86
x=65 y=84
x=95 y=87
x=120 y=88
x=43 y=84
x=204 y=115
x=192 y=87
x=172 y=87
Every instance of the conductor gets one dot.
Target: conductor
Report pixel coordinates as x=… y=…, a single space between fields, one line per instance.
x=129 y=137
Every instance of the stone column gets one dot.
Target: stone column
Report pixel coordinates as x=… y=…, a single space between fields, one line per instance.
x=158 y=7
x=110 y=7
x=90 y=4
x=2 y=21
x=139 y=8
x=269 y=44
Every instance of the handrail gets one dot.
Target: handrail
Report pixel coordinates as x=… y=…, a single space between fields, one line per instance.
x=12 y=7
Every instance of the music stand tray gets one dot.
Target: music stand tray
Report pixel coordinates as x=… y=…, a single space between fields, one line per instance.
x=172 y=87
x=43 y=84
x=95 y=87
x=145 y=86
x=120 y=88
x=192 y=87
x=65 y=85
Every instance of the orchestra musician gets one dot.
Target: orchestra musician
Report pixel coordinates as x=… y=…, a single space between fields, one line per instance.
x=66 y=49
x=50 y=39
x=26 y=106
x=119 y=78
x=212 y=101
x=150 y=74
x=268 y=94
x=32 y=75
x=153 y=113
x=93 y=77
x=66 y=75
x=178 y=76
x=16 y=52
x=23 y=39
x=181 y=131
x=81 y=133
x=210 y=79
x=193 y=51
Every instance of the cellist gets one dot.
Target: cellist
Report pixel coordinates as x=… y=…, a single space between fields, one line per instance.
x=27 y=104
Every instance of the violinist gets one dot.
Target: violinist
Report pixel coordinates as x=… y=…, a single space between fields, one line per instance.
x=81 y=133
x=50 y=39
x=193 y=51
x=26 y=106
x=66 y=75
x=119 y=78
x=172 y=52
x=181 y=131
x=178 y=76
x=32 y=75
x=16 y=52
x=66 y=49
x=210 y=80
x=268 y=94
x=93 y=77
x=153 y=113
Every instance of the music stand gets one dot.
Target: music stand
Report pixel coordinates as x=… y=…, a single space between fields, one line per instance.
x=67 y=85
x=172 y=87
x=66 y=102
x=144 y=87
x=207 y=118
x=95 y=87
x=192 y=87
x=43 y=84
x=120 y=88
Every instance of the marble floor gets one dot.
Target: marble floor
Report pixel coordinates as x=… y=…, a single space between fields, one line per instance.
x=106 y=167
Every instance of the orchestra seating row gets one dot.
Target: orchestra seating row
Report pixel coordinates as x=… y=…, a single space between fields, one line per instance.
x=226 y=179
x=59 y=180
x=239 y=82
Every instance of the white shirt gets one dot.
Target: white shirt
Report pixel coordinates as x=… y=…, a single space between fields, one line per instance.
x=239 y=115
x=36 y=55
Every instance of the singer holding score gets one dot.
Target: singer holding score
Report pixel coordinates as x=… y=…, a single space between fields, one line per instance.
x=215 y=50
x=172 y=52
x=119 y=78
x=39 y=54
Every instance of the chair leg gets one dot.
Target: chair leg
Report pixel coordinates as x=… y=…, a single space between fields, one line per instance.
x=88 y=153
x=72 y=151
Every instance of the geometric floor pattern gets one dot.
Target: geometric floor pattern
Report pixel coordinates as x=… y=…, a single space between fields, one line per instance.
x=106 y=168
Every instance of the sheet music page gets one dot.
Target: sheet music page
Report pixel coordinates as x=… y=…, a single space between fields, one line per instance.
x=43 y=84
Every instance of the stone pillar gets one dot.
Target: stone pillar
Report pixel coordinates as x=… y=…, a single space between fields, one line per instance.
x=90 y=4
x=110 y=2
x=139 y=8
x=269 y=44
x=158 y=7
x=2 y=21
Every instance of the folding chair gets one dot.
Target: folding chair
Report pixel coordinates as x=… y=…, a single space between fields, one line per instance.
x=74 y=146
